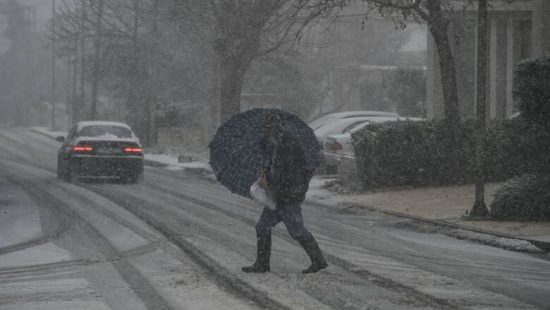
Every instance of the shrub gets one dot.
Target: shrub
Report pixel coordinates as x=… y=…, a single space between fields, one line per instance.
x=523 y=198
x=506 y=143
x=393 y=154
x=435 y=153
x=531 y=90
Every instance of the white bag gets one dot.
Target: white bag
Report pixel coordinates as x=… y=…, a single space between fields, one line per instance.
x=260 y=195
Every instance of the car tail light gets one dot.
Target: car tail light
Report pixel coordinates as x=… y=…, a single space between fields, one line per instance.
x=130 y=149
x=83 y=148
x=334 y=146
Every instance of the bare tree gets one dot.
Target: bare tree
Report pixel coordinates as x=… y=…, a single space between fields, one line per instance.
x=244 y=31
x=239 y=27
x=437 y=15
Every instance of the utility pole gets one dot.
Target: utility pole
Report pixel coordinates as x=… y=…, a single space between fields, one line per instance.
x=81 y=91
x=97 y=59
x=480 y=209
x=26 y=91
x=151 y=125
x=73 y=98
x=53 y=64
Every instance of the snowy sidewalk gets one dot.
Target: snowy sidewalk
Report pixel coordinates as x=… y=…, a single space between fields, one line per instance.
x=441 y=206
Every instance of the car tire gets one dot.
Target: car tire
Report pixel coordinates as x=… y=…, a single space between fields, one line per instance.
x=60 y=172
x=61 y=175
x=135 y=178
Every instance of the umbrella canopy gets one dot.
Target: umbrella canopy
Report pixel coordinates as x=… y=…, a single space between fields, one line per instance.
x=236 y=154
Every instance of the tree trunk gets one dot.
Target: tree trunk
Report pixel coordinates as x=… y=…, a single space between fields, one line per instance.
x=135 y=99
x=54 y=99
x=97 y=60
x=480 y=209
x=439 y=30
x=232 y=71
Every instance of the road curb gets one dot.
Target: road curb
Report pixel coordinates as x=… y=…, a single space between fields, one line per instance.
x=543 y=245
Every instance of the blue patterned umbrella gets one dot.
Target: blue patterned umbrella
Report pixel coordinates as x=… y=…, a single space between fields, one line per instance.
x=236 y=153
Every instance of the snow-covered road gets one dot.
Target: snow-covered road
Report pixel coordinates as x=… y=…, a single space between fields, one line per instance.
x=177 y=241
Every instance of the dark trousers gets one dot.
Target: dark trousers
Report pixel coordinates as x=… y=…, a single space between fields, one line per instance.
x=290 y=213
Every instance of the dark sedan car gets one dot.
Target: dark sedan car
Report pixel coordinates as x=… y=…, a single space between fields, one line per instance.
x=100 y=149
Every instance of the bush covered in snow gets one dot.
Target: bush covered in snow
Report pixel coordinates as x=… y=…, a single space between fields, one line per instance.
x=435 y=153
x=528 y=197
x=523 y=198
x=531 y=91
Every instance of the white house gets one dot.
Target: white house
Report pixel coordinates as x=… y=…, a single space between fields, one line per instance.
x=519 y=29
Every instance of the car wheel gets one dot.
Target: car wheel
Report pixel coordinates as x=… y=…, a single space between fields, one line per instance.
x=135 y=178
x=61 y=173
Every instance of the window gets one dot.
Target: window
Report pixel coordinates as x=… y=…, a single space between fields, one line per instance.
x=105 y=130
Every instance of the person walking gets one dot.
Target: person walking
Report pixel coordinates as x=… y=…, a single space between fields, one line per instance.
x=286 y=178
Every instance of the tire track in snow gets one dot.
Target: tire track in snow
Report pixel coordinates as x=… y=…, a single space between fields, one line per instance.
x=335 y=260
x=232 y=284
x=137 y=282
x=220 y=275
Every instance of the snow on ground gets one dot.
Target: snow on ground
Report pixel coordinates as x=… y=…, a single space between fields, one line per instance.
x=42 y=254
x=440 y=286
x=435 y=203
x=19 y=216
x=444 y=203
x=173 y=164
x=505 y=243
x=51 y=133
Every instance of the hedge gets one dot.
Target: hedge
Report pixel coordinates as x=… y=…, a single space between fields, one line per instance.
x=523 y=198
x=406 y=153
x=532 y=91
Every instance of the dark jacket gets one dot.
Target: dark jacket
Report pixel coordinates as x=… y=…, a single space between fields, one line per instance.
x=287 y=177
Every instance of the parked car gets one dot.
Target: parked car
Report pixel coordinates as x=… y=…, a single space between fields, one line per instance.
x=339 y=126
x=340 y=145
x=328 y=118
x=100 y=149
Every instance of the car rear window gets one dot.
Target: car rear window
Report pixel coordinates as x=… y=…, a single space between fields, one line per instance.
x=105 y=130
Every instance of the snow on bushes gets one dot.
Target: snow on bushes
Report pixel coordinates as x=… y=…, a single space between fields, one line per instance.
x=434 y=153
x=531 y=91
x=523 y=198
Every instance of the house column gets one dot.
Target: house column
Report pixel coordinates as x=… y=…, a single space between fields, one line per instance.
x=541 y=28
x=493 y=69
x=509 y=66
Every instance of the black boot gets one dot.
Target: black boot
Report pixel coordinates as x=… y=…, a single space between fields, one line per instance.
x=263 y=254
x=314 y=252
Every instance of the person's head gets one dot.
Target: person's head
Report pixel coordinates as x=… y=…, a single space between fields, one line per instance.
x=273 y=128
